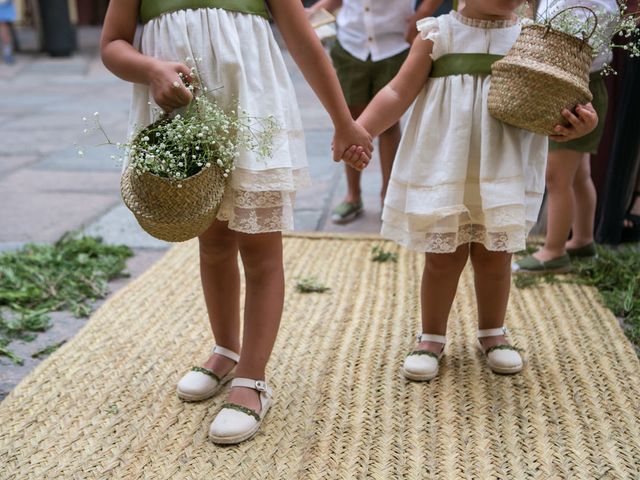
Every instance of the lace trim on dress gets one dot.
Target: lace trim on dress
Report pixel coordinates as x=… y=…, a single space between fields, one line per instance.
x=448 y=242
x=478 y=23
x=257 y=212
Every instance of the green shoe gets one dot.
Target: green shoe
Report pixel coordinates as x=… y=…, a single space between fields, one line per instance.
x=346 y=212
x=587 y=251
x=531 y=265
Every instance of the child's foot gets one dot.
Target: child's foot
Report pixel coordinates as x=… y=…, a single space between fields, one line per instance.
x=577 y=249
x=241 y=417
x=423 y=362
x=501 y=356
x=347 y=211
x=543 y=262
x=204 y=381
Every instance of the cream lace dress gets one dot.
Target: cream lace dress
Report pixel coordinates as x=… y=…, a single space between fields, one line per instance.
x=461 y=176
x=241 y=59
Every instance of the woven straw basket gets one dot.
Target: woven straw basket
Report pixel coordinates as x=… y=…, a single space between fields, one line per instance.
x=545 y=72
x=169 y=212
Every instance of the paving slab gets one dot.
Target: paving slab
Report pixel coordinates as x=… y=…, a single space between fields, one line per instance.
x=45 y=217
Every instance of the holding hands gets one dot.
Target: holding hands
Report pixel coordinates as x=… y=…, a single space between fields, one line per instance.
x=353 y=144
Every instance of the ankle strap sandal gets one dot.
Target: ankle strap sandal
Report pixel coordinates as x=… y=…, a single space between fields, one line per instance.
x=237 y=423
x=423 y=365
x=503 y=358
x=201 y=383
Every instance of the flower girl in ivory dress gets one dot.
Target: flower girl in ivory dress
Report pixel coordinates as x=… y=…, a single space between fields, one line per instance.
x=238 y=53
x=464 y=185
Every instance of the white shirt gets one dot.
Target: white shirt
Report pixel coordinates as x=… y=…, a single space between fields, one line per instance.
x=374 y=27
x=606 y=10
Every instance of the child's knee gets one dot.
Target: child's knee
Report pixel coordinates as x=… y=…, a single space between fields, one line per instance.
x=447 y=263
x=489 y=263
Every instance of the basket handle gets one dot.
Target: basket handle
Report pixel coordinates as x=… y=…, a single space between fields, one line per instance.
x=595 y=18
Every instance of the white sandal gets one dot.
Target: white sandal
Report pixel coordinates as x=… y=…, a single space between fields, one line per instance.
x=236 y=423
x=503 y=358
x=201 y=383
x=423 y=365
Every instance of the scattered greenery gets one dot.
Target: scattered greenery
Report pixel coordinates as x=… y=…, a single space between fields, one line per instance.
x=39 y=279
x=615 y=273
x=310 y=285
x=380 y=255
x=48 y=350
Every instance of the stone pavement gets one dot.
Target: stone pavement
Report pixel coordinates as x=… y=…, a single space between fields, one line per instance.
x=47 y=189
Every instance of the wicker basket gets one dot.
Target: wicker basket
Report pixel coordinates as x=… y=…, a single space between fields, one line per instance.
x=545 y=72
x=170 y=212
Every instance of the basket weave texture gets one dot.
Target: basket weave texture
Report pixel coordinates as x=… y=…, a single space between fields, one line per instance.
x=545 y=72
x=172 y=210
x=104 y=405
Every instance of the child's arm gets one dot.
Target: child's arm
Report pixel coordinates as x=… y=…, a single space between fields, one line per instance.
x=308 y=53
x=328 y=5
x=119 y=56
x=585 y=122
x=393 y=100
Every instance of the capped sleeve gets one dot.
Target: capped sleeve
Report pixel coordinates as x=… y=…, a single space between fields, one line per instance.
x=428 y=28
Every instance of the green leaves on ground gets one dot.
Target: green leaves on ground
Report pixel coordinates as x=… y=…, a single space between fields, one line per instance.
x=616 y=275
x=380 y=255
x=310 y=285
x=39 y=279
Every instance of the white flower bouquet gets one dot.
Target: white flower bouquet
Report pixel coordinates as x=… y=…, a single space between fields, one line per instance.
x=178 y=167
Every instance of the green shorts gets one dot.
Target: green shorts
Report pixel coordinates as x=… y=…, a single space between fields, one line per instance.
x=590 y=143
x=360 y=81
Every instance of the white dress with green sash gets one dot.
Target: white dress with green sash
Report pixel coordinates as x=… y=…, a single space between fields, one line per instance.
x=242 y=65
x=461 y=176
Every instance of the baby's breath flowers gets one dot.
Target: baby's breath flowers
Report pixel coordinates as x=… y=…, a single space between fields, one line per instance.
x=600 y=29
x=204 y=135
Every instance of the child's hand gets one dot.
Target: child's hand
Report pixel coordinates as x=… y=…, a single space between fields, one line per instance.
x=356 y=158
x=167 y=88
x=582 y=124
x=352 y=134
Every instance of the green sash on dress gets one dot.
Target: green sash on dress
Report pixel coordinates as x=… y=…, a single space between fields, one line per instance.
x=150 y=9
x=463 y=63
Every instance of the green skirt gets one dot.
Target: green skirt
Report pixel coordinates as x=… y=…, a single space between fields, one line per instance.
x=590 y=143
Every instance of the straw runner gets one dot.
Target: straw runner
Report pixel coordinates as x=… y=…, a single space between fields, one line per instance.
x=104 y=405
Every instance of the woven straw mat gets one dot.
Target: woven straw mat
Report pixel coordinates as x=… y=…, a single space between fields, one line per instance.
x=104 y=405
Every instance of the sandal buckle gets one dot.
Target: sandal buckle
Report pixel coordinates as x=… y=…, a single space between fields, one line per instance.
x=261 y=386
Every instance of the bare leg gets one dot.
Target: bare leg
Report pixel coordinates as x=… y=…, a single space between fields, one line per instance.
x=354 y=192
x=389 y=141
x=584 y=193
x=439 y=284
x=561 y=170
x=221 y=286
x=5 y=34
x=492 y=278
x=262 y=258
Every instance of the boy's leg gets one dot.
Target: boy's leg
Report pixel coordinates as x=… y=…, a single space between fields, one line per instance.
x=562 y=166
x=220 y=278
x=264 y=272
x=389 y=141
x=584 y=192
x=439 y=284
x=492 y=277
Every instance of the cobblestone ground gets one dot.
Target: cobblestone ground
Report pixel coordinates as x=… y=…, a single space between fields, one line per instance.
x=47 y=189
